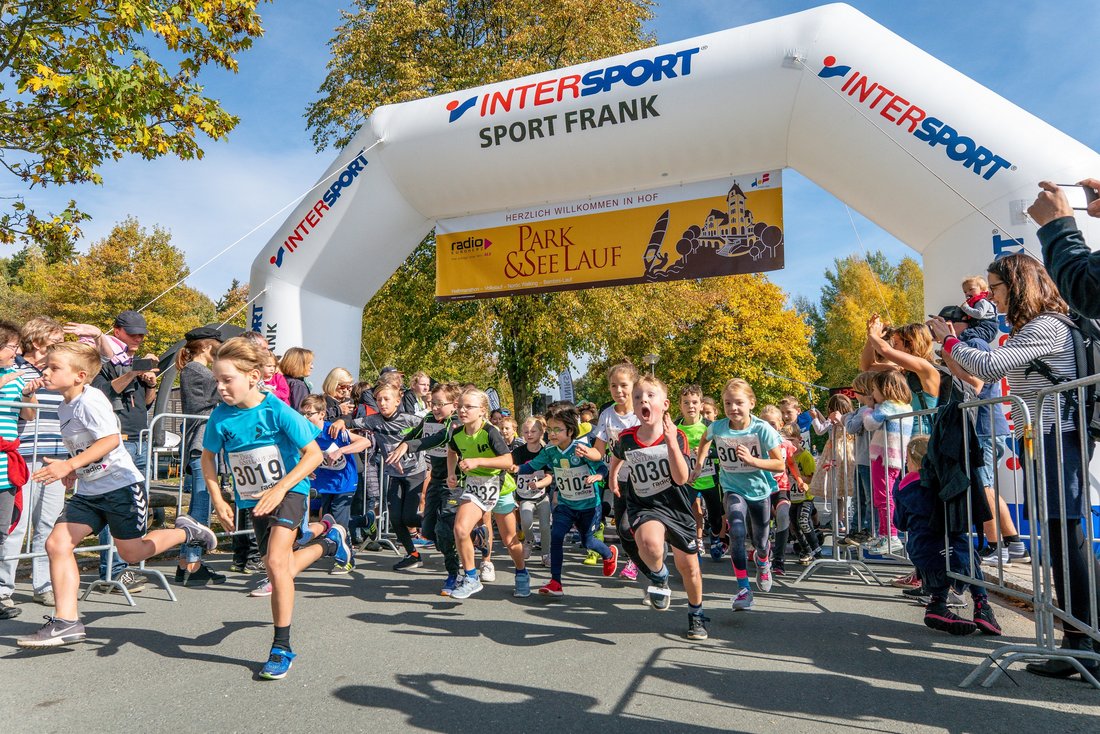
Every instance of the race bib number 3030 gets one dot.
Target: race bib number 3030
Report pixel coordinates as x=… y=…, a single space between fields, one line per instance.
x=727 y=452
x=650 y=473
x=256 y=470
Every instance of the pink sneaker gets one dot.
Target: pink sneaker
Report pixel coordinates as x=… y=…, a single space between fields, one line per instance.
x=630 y=571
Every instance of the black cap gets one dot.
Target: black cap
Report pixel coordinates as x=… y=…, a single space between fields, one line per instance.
x=131 y=322
x=953 y=313
x=203 y=332
x=387 y=368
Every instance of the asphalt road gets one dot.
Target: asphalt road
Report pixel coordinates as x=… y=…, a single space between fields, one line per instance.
x=380 y=651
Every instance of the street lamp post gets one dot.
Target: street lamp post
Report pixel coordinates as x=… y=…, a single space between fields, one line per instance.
x=651 y=360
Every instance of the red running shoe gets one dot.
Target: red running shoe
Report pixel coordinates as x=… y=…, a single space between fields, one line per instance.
x=552 y=589
x=612 y=563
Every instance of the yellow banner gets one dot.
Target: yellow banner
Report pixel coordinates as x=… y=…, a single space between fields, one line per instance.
x=698 y=230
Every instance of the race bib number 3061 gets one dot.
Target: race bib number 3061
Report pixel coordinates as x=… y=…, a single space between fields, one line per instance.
x=256 y=470
x=727 y=452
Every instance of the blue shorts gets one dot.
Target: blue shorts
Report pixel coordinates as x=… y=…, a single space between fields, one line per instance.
x=989 y=467
x=505 y=503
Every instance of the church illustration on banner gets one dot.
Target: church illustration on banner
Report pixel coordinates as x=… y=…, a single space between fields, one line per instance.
x=726 y=243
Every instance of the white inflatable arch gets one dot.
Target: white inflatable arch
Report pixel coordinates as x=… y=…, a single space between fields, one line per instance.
x=940 y=162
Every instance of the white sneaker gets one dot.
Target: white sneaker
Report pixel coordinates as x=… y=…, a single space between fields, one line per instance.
x=546 y=561
x=764 y=577
x=488 y=572
x=526 y=551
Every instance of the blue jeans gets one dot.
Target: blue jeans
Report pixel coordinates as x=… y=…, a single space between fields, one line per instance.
x=198 y=507
x=117 y=564
x=863 y=497
x=586 y=522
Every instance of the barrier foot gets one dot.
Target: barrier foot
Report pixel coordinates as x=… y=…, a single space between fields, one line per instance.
x=109 y=585
x=853 y=566
x=998 y=661
x=161 y=579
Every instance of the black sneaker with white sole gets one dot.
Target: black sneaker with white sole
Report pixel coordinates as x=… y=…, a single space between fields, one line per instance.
x=697 y=626
x=54 y=633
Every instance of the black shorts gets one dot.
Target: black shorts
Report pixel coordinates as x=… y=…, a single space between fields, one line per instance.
x=679 y=526
x=291 y=513
x=124 y=511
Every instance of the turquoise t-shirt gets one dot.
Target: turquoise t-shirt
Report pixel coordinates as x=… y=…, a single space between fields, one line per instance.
x=733 y=474
x=569 y=472
x=260 y=445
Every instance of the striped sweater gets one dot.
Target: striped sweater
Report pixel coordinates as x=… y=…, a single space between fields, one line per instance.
x=1044 y=337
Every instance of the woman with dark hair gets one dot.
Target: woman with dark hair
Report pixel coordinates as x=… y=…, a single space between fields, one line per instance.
x=1023 y=291
x=198 y=396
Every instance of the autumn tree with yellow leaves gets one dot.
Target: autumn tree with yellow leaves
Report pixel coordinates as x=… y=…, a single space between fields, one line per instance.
x=856 y=287
x=394 y=51
x=80 y=85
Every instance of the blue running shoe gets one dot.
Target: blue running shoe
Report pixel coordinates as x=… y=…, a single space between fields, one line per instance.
x=523 y=586
x=278 y=664
x=339 y=536
x=421 y=542
x=480 y=537
x=716 y=549
x=466 y=587
x=449 y=585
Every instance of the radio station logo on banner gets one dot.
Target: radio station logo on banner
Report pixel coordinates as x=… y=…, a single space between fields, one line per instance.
x=698 y=230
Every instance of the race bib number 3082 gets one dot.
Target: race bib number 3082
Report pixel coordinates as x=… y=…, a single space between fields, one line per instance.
x=256 y=470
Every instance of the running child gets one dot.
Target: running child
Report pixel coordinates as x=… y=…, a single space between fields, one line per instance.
x=708 y=498
x=575 y=480
x=478 y=460
x=781 y=496
x=802 y=500
x=709 y=409
x=532 y=490
x=612 y=421
x=430 y=437
x=336 y=478
x=748 y=452
x=405 y=478
x=509 y=429
x=110 y=492
x=270 y=451
x=659 y=499
x=888 y=439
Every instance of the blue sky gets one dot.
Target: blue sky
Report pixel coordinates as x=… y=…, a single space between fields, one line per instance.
x=1034 y=53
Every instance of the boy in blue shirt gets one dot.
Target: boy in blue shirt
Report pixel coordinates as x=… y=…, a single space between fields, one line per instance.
x=336 y=477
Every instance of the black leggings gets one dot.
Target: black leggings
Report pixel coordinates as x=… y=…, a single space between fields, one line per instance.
x=1080 y=557
x=712 y=501
x=403 y=501
x=745 y=516
x=626 y=535
x=805 y=536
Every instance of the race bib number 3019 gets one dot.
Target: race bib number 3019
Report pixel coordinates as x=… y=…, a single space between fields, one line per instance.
x=727 y=452
x=256 y=470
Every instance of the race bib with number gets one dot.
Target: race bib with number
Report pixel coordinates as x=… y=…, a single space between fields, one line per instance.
x=333 y=461
x=80 y=442
x=485 y=489
x=431 y=429
x=571 y=484
x=708 y=466
x=256 y=470
x=650 y=473
x=525 y=486
x=727 y=452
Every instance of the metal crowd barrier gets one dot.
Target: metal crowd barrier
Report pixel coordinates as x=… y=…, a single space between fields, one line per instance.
x=28 y=512
x=1051 y=401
